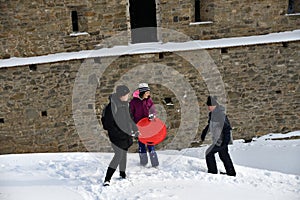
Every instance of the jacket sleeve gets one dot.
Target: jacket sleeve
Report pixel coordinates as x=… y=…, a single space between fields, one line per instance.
x=204 y=132
x=226 y=132
x=133 y=126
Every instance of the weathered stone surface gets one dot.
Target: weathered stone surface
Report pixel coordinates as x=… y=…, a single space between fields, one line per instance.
x=262 y=97
x=45 y=28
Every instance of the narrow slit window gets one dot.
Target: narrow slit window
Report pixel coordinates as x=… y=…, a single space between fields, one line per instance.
x=197 y=11
x=75 y=21
x=293 y=6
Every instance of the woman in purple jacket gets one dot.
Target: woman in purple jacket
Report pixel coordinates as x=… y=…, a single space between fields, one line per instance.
x=142 y=106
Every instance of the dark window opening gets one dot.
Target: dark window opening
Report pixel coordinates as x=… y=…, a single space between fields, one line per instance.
x=197 y=10
x=204 y=11
x=44 y=113
x=1 y=120
x=293 y=6
x=75 y=21
x=168 y=101
x=32 y=67
x=90 y=106
x=224 y=50
x=285 y=44
x=175 y=19
x=143 y=21
x=161 y=55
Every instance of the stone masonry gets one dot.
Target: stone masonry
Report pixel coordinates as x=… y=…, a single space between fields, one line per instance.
x=35 y=27
x=36 y=101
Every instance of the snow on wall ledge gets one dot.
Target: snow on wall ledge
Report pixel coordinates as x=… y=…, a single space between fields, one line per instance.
x=144 y=48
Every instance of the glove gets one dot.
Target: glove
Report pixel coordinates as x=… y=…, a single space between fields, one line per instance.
x=151 y=117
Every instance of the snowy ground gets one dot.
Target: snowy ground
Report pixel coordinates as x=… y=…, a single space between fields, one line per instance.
x=266 y=169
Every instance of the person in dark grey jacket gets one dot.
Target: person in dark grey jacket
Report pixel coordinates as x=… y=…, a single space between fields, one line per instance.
x=121 y=128
x=220 y=129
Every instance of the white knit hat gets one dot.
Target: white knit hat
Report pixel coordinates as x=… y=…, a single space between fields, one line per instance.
x=144 y=87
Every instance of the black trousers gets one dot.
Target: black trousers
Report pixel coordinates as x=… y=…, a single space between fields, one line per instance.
x=224 y=156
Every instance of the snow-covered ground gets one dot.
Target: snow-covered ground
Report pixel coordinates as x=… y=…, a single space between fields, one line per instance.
x=266 y=169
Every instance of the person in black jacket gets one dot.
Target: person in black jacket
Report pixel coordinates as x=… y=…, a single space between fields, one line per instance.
x=220 y=129
x=121 y=128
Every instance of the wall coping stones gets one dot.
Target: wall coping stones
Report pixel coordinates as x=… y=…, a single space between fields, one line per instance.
x=156 y=47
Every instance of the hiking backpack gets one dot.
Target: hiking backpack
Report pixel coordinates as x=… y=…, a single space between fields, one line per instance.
x=104 y=124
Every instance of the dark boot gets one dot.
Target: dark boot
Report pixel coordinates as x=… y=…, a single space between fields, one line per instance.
x=109 y=173
x=231 y=172
x=143 y=159
x=211 y=163
x=122 y=174
x=154 y=159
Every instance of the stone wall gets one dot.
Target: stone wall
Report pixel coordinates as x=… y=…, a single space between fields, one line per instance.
x=230 y=18
x=56 y=107
x=33 y=27
x=265 y=91
x=30 y=28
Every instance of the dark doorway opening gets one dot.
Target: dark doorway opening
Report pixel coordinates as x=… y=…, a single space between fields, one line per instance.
x=143 y=21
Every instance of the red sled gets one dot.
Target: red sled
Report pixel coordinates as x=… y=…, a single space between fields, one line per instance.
x=152 y=132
